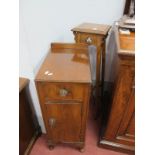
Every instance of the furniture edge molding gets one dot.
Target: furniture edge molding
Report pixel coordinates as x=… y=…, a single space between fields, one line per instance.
x=23 y=82
x=32 y=141
x=116 y=146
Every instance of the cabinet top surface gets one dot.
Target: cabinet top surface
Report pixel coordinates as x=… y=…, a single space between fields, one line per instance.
x=65 y=65
x=127 y=43
x=92 y=28
x=22 y=83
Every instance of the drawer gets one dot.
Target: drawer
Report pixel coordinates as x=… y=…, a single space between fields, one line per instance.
x=88 y=38
x=56 y=92
x=127 y=43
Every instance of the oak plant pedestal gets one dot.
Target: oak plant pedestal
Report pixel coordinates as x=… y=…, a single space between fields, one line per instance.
x=94 y=34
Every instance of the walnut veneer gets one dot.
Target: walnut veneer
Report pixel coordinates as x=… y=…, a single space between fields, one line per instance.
x=119 y=131
x=63 y=85
x=94 y=34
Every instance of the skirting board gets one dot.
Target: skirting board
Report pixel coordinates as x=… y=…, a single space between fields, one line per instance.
x=32 y=141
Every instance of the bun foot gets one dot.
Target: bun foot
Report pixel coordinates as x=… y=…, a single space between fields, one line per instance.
x=51 y=147
x=82 y=150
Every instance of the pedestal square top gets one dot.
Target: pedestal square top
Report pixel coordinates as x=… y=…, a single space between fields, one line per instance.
x=92 y=28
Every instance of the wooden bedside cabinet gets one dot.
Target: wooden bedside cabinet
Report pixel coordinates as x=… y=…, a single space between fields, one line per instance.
x=63 y=85
x=94 y=34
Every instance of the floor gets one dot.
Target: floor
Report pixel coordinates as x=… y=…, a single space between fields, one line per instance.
x=40 y=147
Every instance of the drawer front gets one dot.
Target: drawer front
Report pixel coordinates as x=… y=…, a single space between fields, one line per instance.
x=127 y=43
x=62 y=92
x=87 y=38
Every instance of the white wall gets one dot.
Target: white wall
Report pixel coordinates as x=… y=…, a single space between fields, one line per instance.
x=46 y=21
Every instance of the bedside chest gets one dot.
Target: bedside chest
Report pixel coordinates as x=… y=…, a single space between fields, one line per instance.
x=63 y=85
x=94 y=34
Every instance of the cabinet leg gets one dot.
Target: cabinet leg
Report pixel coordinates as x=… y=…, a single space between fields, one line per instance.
x=80 y=146
x=51 y=147
x=81 y=150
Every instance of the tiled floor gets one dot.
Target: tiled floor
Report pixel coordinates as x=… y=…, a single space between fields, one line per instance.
x=40 y=147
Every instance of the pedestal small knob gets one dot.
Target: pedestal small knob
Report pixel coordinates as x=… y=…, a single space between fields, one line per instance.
x=89 y=40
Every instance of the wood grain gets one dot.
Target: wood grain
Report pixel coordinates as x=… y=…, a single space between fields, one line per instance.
x=22 y=83
x=29 y=128
x=65 y=115
x=66 y=65
x=92 y=28
x=94 y=34
x=127 y=42
x=119 y=131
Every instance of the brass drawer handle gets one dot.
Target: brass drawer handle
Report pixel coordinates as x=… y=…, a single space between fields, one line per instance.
x=63 y=92
x=89 y=40
x=52 y=122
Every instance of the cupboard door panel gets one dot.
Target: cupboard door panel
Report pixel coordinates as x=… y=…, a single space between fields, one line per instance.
x=64 y=121
x=131 y=127
x=121 y=99
x=126 y=129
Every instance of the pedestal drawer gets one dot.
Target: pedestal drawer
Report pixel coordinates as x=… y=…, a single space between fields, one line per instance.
x=54 y=92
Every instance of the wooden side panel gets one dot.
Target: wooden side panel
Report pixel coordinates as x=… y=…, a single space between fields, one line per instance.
x=120 y=130
x=118 y=134
x=131 y=127
x=126 y=131
x=123 y=91
x=27 y=129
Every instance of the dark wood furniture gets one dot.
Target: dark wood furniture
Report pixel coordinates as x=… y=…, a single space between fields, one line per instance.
x=29 y=129
x=118 y=129
x=94 y=34
x=63 y=85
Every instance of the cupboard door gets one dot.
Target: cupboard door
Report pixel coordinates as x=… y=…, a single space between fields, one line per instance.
x=126 y=129
x=64 y=121
x=122 y=104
